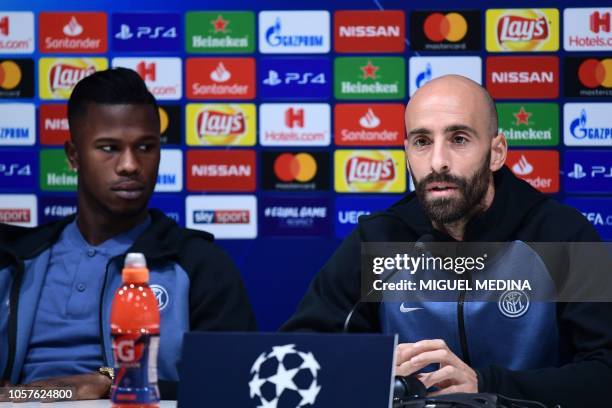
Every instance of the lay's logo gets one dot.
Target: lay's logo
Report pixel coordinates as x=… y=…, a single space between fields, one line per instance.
x=522 y=30
x=369 y=171
x=221 y=124
x=58 y=76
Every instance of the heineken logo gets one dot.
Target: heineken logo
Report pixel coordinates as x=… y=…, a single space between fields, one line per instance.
x=522 y=117
x=220 y=32
x=369 y=78
x=529 y=124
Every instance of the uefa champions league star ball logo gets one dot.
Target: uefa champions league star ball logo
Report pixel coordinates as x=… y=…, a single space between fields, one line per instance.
x=284 y=378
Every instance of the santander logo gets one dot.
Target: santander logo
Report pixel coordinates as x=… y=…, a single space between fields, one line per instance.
x=369 y=120
x=522 y=167
x=220 y=74
x=73 y=28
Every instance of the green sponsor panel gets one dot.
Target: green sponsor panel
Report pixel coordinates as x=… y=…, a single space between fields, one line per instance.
x=371 y=78
x=220 y=32
x=55 y=172
x=529 y=124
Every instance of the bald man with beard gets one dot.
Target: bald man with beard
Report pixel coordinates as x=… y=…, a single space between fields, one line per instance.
x=555 y=353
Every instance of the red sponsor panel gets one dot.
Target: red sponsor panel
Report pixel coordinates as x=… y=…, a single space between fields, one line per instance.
x=369 y=124
x=15 y=215
x=220 y=78
x=73 y=32
x=53 y=124
x=221 y=170
x=523 y=77
x=540 y=168
x=369 y=31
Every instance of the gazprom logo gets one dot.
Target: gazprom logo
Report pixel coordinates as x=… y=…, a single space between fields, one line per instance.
x=294 y=32
x=580 y=130
x=276 y=38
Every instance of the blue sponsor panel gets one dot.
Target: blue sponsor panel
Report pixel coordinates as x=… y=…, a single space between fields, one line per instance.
x=53 y=208
x=349 y=209
x=147 y=32
x=18 y=170
x=295 y=216
x=285 y=78
x=173 y=205
x=587 y=171
x=597 y=210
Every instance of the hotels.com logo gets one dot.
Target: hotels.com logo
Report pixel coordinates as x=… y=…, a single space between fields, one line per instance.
x=4 y=26
x=17 y=32
x=588 y=29
x=294 y=118
x=599 y=22
x=147 y=71
x=162 y=75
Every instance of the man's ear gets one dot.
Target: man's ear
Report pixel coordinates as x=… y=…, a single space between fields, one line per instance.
x=499 y=150
x=71 y=154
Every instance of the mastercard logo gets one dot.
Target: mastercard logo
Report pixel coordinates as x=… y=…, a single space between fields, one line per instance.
x=451 y=27
x=300 y=167
x=164 y=120
x=10 y=75
x=593 y=73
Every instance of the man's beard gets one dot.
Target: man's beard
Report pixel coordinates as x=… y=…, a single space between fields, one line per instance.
x=451 y=209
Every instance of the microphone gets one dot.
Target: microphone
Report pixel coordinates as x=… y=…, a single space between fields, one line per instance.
x=420 y=246
x=408 y=387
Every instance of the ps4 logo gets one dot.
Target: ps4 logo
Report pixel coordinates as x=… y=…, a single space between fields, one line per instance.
x=297 y=78
x=8 y=170
x=596 y=171
x=148 y=32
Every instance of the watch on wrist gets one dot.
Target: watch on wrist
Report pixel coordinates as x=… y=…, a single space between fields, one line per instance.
x=107 y=372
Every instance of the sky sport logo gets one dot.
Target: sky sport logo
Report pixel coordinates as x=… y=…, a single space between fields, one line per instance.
x=221 y=217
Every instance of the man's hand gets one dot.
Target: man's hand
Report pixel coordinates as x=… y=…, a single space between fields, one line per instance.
x=86 y=386
x=453 y=376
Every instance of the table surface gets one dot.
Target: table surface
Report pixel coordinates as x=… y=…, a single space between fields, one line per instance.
x=78 y=404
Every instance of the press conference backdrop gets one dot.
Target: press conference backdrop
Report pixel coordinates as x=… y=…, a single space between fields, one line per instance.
x=282 y=122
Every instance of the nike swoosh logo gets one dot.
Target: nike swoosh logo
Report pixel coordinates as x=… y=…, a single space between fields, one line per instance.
x=404 y=309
